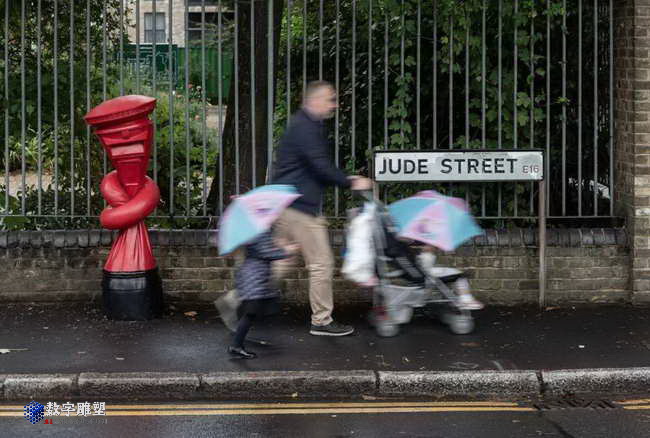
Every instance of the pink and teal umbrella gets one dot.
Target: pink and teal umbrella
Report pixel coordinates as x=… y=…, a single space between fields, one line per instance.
x=253 y=213
x=434 y=219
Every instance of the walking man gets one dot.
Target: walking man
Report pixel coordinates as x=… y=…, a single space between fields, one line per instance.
x=304 y=161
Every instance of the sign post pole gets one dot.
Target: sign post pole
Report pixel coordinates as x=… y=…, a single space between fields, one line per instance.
x=542 y=243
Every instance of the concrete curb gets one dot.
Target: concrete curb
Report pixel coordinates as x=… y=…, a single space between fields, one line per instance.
x=462 y=383
x=596 y=381
x=24 y=386
x=331 y=384
x=283 y=384
x=138 y=385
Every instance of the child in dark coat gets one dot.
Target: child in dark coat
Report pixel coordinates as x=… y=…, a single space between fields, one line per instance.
x=253 y=282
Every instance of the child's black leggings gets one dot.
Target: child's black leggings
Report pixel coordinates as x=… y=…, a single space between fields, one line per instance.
x=244 y=325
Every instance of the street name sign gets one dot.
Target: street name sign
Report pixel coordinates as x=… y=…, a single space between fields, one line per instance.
x=459 y=165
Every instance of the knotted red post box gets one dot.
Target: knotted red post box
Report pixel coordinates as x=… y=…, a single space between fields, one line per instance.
x=131 y=285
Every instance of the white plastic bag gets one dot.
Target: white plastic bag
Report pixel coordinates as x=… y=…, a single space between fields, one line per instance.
x=359 y=262
x=227 y=306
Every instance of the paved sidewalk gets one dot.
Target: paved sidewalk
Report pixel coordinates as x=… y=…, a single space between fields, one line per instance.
x=71 y=351
x=73 y=338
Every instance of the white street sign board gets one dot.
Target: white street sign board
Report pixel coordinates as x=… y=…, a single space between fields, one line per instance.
x=449 y=165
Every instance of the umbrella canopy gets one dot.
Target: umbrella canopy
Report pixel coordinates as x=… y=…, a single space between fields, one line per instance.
x=434 y=219
x=253 y=213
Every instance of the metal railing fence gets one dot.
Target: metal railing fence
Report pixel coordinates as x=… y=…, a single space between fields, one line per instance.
x=410 y=74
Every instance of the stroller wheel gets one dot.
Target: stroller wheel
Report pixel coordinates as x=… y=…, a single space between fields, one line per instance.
x=376 y=316
x=386 y=329
x=459 y=324
x=372 y=318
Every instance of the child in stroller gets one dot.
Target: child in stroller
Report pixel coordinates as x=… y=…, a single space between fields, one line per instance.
x=401 y=279
x=427 y=261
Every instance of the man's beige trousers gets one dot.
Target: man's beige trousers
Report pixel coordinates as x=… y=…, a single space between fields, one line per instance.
x=311 y=234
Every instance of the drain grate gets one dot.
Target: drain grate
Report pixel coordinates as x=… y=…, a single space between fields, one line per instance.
x=574 y=403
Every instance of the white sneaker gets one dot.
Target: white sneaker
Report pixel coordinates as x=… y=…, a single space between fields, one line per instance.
x=468 y=302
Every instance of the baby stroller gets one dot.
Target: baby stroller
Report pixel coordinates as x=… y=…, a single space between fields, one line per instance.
x=403 y=284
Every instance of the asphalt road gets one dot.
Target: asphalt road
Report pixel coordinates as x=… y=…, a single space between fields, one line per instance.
x=376 y=418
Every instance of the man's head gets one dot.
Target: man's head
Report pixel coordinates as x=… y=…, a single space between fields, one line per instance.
x=320 y=99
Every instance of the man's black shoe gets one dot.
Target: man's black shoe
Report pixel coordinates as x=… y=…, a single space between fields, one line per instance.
x=331 y=329
x=240 y=352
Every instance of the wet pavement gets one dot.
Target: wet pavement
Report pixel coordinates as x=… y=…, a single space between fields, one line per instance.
x=73 y=337
x=248 y=421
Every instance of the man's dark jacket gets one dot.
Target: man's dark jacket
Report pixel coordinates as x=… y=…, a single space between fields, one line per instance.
x=304 y=161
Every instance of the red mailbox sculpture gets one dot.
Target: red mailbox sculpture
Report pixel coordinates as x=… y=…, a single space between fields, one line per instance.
x=131 y=285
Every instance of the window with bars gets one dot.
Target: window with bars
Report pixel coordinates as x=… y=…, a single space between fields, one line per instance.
x=208 y=22
x=159 y=31
x=197 y=23
x=201 y=2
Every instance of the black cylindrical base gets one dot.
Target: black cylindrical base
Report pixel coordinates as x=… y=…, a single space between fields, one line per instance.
x=132 y=296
